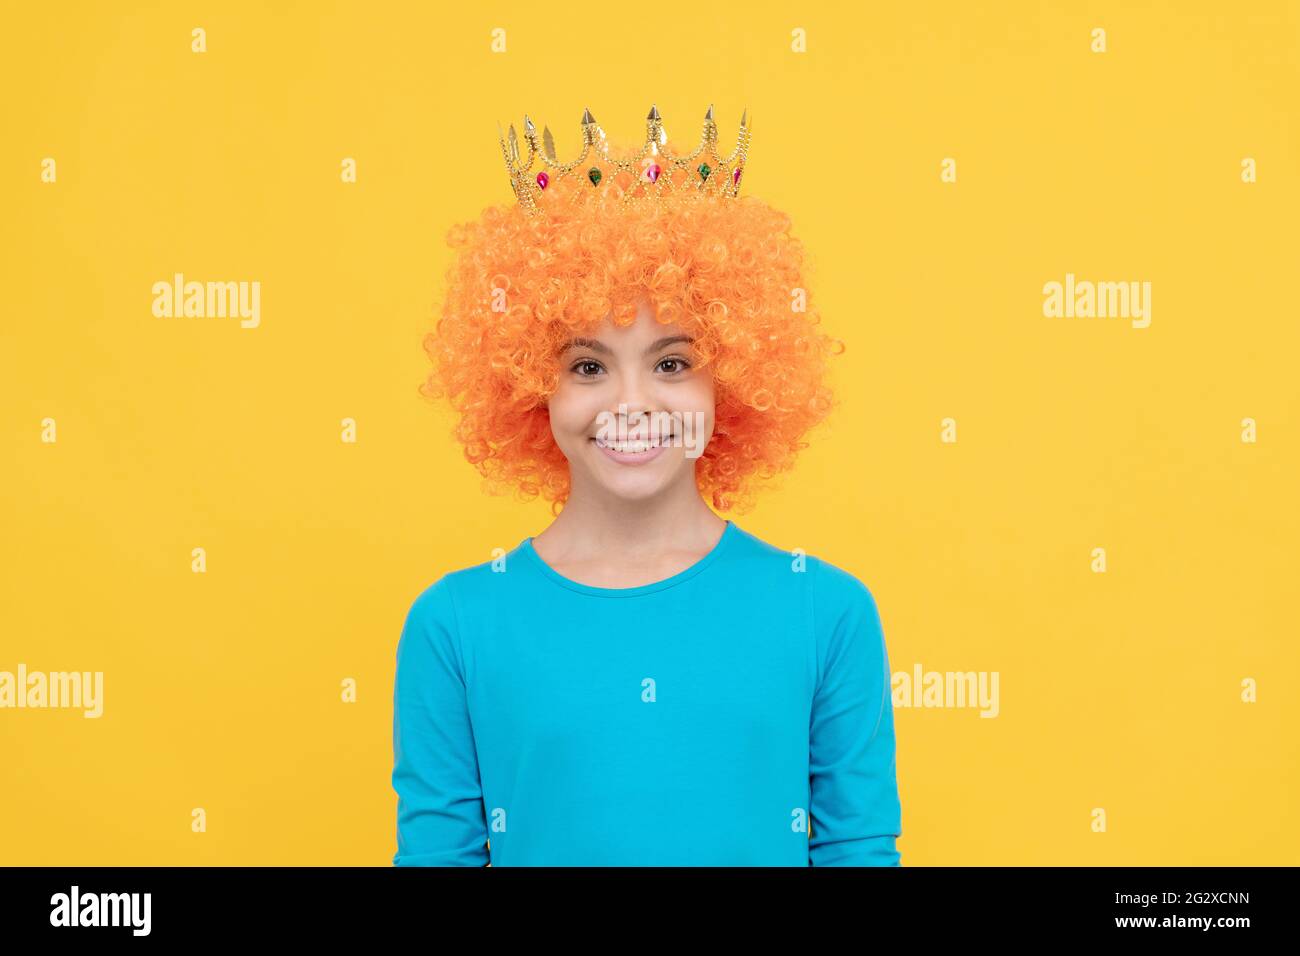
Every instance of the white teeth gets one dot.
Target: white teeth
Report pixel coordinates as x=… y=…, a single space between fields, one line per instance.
x=629 y=447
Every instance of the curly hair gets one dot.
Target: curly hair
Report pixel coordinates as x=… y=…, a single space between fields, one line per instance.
x=727 y=270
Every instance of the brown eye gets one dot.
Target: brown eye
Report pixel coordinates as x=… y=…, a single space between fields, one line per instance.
x=681 y=364
x=583 y=364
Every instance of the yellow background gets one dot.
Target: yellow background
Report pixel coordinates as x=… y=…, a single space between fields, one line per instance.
x=222 y=690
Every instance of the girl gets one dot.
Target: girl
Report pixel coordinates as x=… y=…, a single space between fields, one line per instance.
x=643 y=682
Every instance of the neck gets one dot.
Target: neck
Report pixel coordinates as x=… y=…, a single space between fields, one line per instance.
x=595 y=525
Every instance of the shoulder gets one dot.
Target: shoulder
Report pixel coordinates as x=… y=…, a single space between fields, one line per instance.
x=430 y=630
x=432 y=603
x=436 y=614
x=431 y=639
x=838 y=590
x=761 y=561
x=831 y=586
x=846 y=621
x=462 y=589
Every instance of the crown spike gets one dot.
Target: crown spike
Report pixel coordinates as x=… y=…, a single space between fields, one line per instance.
x=514 y=144
x=528 y=124
x=709 y=113
x=548 y=143
x=501 y=136
x=587 y=118
x=654 y=113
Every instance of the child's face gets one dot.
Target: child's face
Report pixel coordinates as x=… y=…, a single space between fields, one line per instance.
x=602 y=390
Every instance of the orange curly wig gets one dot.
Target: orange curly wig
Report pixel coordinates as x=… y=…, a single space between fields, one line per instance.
x=726 y=270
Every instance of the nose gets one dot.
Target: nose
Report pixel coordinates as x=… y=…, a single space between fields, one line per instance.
x=635 y=397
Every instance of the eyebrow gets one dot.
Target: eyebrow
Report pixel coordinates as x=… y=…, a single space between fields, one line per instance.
x=596 y=346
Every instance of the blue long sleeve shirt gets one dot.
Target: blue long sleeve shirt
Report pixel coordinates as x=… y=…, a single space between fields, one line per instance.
x=737 y=713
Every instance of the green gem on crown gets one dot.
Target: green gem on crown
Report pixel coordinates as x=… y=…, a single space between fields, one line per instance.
x=704 y=170
x=594 y=175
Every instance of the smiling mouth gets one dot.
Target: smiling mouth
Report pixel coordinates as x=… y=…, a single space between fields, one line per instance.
x=635 y=447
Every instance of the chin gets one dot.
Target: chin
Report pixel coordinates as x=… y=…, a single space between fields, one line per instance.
x=632 y=484
x=636 y=490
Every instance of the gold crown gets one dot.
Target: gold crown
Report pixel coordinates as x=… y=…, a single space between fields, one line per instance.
x=654 y=173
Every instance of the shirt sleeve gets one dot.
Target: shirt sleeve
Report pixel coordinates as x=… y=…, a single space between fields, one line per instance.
x=855 y=810
x=440 y=815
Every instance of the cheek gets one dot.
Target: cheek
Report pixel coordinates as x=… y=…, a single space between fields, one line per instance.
x=570 y=413
x=700 y=398
x=695 y=404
